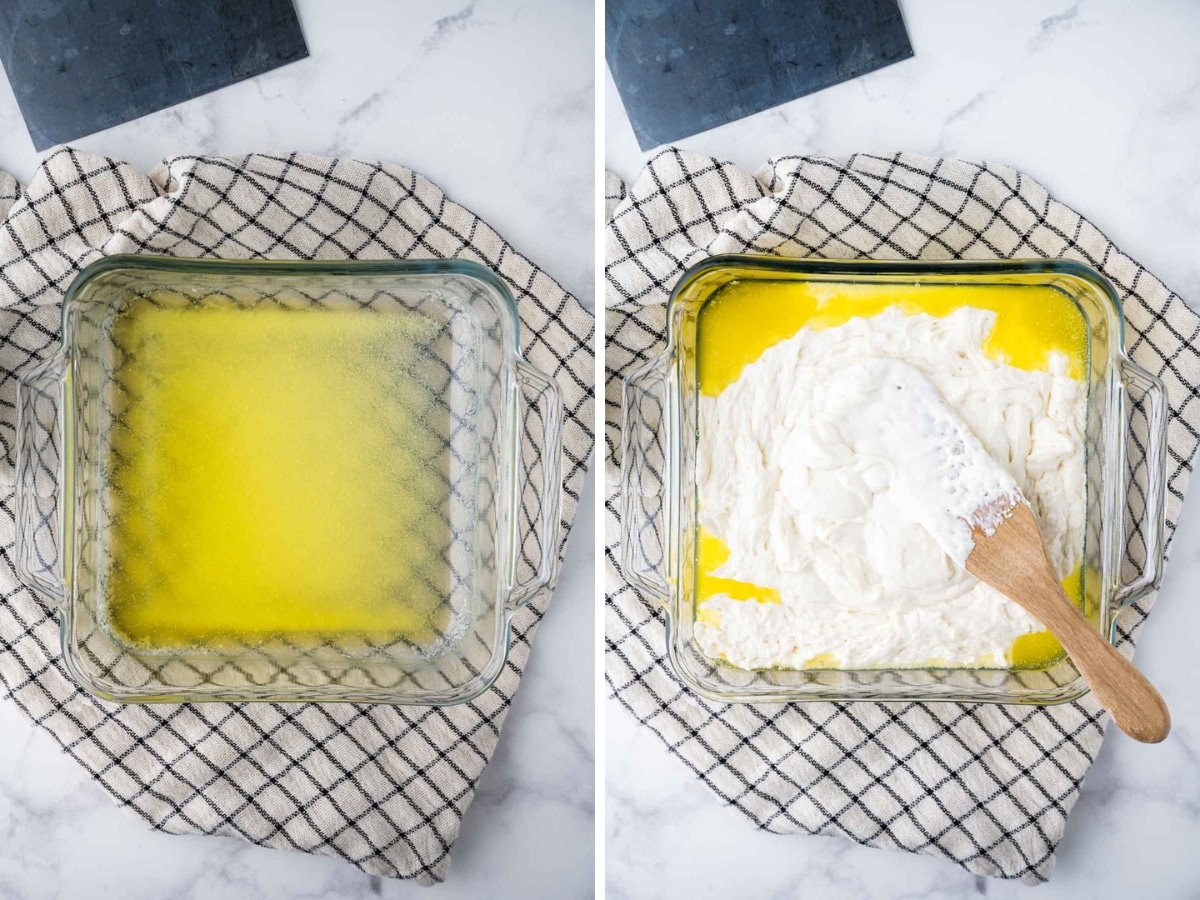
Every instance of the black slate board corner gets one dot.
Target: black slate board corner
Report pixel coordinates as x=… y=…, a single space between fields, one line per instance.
x=78 y=68
x=683 y=68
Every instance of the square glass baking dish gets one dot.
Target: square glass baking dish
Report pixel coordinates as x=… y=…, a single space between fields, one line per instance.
x=488 y=423
x=1125 y=472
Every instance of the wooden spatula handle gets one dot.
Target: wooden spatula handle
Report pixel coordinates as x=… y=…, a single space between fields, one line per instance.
x=1135 y=704
x=1013 y=560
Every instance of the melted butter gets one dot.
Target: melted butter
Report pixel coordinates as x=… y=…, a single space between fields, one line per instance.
x=821 y=661
x=279 y=474
x=711 y=554
x=747 y=317
x=1035 y=651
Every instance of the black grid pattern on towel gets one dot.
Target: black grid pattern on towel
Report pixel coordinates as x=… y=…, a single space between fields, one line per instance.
x=988 y=787
x=384 y=788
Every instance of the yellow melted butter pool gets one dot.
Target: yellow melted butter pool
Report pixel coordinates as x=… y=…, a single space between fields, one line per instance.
x=277 y=475
x=747 y=317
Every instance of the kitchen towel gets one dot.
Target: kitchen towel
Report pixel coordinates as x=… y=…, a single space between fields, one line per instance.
x=988 y=787
x=382 y=787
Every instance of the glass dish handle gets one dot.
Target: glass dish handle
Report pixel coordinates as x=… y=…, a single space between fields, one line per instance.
x=541 y=419
x=1146 y=414
x=643 y=477
x=39 y=449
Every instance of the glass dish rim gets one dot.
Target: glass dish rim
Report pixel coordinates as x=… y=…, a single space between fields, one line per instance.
x=506 y=304
x=851 y=268
x=163 y=263
x=898 y=267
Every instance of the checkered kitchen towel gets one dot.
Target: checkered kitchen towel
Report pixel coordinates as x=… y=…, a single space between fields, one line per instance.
x=382 y=787
x=989 y=787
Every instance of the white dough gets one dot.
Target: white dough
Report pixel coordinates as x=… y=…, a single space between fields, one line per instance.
x=823 y=468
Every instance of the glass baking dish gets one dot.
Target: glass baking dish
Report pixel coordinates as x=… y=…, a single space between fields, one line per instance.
x=1125 y=474
x=481 y=434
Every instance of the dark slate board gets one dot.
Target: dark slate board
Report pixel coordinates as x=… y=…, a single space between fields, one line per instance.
x=685 y=67
x=77 y=68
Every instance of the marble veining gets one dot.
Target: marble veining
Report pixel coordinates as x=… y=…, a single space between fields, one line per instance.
x=459 y=92
x=1100 y=101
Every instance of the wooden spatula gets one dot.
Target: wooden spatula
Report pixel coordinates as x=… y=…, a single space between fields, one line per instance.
x=943 y=476
x=1013 y=560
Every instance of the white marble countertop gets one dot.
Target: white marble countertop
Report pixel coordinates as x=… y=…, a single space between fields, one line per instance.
x=459 y=91
x=1100 y=101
